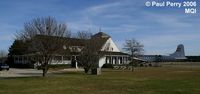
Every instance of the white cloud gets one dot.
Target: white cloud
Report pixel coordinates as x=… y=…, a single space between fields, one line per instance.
x=102 y=8
x=114 y=8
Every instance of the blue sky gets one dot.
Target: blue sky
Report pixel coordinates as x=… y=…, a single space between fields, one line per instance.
x=159 y=29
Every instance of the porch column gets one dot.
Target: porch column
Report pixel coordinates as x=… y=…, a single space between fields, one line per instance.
x=114 y=60
x=118 y=60
x=76 y=63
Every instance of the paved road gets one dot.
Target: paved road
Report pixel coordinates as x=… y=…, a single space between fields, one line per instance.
x=13 y=72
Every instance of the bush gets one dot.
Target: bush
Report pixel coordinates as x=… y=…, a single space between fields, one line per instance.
x=107 y=66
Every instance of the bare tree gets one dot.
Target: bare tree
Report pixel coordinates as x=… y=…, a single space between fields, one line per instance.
x=89 y=56
x=45 y=38
x=83 y=35
x=134 y=48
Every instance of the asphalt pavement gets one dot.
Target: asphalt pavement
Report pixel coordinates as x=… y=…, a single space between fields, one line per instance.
x=14 y=72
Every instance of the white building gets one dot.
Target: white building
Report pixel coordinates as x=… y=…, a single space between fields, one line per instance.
x=104 y=44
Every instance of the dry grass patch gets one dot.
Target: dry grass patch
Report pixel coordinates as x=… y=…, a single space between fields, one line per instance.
x=152 y=80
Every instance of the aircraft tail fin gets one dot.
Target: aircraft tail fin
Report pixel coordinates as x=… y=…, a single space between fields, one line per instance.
x=179 y=53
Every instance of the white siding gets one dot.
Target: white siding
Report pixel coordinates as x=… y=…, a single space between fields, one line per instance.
x=110 y=46
x=102 y=61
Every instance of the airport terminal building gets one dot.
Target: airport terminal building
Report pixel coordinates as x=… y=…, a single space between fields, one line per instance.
x=106 y=47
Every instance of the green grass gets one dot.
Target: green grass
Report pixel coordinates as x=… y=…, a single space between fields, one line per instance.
x=154 y=80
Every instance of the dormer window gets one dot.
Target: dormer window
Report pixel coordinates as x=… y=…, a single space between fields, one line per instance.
x=75 y=48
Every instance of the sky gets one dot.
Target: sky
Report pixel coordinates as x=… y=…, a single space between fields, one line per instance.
x=159 y=29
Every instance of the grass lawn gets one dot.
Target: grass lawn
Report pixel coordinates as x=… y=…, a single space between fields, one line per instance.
x=152 y=80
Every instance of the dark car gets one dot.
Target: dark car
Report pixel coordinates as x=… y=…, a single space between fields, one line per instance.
x=4 y=66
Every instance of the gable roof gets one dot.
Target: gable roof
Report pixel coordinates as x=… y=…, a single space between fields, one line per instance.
x=96 y=41
x=75 y=42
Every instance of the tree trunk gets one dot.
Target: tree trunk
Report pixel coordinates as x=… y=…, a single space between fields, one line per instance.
x=86 y=70
x=45 y=68
x=43 y=74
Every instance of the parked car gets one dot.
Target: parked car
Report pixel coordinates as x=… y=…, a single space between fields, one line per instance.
x=4 y=66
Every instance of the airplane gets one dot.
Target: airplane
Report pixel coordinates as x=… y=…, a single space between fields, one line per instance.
x=179 y=54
